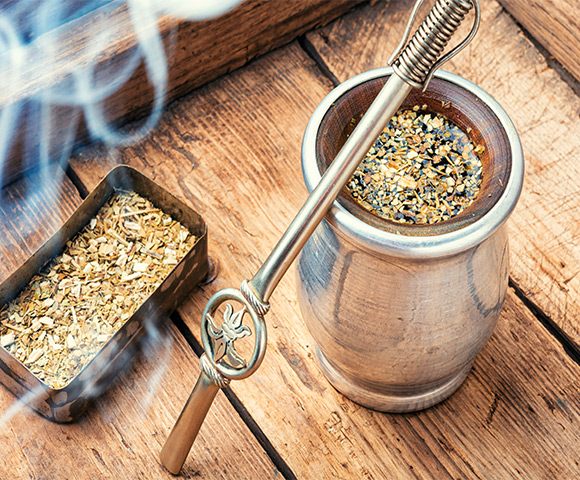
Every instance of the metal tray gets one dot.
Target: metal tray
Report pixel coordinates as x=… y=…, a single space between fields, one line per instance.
x=69 y=403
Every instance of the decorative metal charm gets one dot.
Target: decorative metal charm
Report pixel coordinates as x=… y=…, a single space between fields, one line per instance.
x=224 y=337
x=219 y=342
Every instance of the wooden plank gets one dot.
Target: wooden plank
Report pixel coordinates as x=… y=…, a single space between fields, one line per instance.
x=197 y=52
x=232 y=151
x=122 y=434
x=545 y=258
x=555 y=24
x=31 y=210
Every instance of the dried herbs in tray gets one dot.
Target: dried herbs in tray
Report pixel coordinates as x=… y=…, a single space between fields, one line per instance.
x=72 y=316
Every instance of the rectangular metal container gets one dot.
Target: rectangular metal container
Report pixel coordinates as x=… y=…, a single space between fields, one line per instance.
x=68 y=403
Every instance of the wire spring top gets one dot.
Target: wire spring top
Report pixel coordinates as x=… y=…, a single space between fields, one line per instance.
x=420 y=58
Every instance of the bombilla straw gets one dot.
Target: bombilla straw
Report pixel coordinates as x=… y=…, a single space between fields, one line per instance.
x=413 y=67
x=321 y=198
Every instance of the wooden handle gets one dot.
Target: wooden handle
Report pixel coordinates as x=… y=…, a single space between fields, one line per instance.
x=181 y=438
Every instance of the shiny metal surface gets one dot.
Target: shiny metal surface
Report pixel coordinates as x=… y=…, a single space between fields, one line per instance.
x=414 y=66
x=417 y=62
x=219 y=337
x=220 y=351
x=397 y=334
x=182 y=436
x=399 y=319
x=219 y=343
x=329 y=185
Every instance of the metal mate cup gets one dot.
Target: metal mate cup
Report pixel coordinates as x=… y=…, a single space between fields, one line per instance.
x=399 y=312
x=414 y=63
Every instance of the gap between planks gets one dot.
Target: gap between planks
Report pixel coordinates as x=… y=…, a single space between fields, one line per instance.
x=82 y=189
x=311 y=51
x=197 y=349
x=551 y=60
x=549 y=324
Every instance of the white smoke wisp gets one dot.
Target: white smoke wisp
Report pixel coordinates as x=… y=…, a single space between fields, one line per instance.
x=55 y=54
x=18 y=405
x=198 y=10
x=154 y=357
x=156 y=347
x=58 y=54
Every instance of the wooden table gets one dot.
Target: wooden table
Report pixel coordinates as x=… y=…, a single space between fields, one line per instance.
x=231 y=150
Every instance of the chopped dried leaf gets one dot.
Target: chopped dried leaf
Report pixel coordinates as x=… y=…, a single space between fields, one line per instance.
x=63 y=317
x=422 y=169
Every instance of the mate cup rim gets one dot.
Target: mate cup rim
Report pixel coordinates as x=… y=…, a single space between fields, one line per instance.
x=444 y=242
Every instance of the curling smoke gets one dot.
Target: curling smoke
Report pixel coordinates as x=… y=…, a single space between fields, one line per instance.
x=56 y=53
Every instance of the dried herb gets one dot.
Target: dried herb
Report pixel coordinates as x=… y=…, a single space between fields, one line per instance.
x=422 y=169
x=68 y=311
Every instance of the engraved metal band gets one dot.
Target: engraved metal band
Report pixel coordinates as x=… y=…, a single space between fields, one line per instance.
x=260 y=307
x=214 y=375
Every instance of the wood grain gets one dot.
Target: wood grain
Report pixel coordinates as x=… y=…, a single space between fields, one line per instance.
x=197 y=52
x=31 y=210
x=122 y=434
x=555 y=24
x=545 y=231
x=231 y=149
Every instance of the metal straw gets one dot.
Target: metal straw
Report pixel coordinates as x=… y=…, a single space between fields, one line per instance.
x=414 y=65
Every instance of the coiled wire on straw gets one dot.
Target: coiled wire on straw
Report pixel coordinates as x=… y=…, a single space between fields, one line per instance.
x=428 y=42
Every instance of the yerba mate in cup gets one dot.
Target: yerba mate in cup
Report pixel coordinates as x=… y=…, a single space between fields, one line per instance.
x=399 y=311
x=422 y=169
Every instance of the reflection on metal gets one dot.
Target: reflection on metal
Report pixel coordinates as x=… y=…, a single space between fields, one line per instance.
x=223 y=338
x=417 y=63
x=254 y=294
